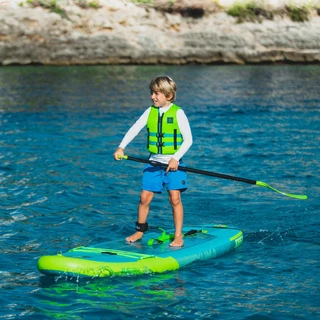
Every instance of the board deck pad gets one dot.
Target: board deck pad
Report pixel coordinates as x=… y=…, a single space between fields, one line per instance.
x=151 y=254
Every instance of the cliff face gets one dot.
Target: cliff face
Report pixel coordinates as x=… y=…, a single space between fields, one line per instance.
x=120 y=32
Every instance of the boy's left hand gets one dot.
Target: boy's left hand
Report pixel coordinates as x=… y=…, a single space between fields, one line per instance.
x=172 y=165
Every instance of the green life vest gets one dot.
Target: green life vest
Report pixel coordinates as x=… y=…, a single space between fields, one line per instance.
x=164 y=136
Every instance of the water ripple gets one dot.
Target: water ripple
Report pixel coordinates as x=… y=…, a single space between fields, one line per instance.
x=60 y=188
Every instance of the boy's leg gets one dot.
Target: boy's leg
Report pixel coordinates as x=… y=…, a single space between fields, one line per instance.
x=177 y=211
x=143 y=210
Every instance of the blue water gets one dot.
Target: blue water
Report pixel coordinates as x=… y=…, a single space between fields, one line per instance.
x=60 y=188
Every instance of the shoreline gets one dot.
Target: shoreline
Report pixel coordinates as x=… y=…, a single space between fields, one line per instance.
x=120 y=32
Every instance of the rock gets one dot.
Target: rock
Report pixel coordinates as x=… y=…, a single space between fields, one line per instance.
x=121 y=32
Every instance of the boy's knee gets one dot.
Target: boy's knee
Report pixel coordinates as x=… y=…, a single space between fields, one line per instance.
x=175 y=200
x=145 y=199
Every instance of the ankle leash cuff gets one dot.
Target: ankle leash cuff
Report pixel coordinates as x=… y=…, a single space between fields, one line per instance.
x=142 y=227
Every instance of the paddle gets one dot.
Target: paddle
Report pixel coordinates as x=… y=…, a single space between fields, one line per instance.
x=218 y=175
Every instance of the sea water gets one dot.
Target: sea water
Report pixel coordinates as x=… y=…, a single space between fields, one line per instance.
x=60 y=188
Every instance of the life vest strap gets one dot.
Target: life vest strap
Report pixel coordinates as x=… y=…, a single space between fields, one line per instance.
x=164 y=135
x=164 y=144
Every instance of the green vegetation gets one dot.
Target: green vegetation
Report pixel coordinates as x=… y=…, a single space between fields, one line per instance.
x=51 y=5
x=143 y=1
x=296 y=14
x=251 y=11
x=54 y=6
x=242 y=10
x=95 y=4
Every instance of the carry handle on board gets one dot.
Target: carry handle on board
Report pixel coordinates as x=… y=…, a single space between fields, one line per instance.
x=219 y=175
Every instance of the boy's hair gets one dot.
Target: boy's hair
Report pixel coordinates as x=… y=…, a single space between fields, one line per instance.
x=164 y=85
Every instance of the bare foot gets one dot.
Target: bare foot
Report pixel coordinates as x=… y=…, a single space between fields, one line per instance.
x=177 y=242
x=136 y=236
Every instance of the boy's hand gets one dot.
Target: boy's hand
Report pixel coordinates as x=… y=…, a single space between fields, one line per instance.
x=119 y=153
x=172 y=165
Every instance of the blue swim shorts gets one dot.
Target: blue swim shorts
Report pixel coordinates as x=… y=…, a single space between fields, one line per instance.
x=155 y=179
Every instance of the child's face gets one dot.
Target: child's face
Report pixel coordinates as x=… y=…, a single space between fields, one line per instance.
x=159 y=99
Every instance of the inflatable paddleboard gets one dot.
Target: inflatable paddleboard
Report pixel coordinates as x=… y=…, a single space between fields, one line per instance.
x=151 y=254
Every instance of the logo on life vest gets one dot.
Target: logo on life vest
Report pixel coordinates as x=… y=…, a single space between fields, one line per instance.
x=170 y=120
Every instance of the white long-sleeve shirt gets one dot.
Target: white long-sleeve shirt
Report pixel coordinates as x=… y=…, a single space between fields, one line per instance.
x=184 y=127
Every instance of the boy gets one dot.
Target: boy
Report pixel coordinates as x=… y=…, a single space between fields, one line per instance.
x=169 y=138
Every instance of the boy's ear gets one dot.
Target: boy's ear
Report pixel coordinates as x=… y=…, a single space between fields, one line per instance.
x=169 y=96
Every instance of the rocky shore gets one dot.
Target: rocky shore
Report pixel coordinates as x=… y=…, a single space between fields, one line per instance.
x=123 y=32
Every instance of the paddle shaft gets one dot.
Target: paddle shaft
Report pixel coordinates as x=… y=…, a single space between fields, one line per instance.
x=204 y=172
x=220 y=175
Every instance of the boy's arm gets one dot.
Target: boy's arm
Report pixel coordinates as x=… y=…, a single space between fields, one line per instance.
x=131 y=134
x=185 y=130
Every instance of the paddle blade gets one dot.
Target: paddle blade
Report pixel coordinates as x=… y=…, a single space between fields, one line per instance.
x=295 y=196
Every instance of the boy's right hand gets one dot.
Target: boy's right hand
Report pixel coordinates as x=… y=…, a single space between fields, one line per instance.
x=119 y=153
